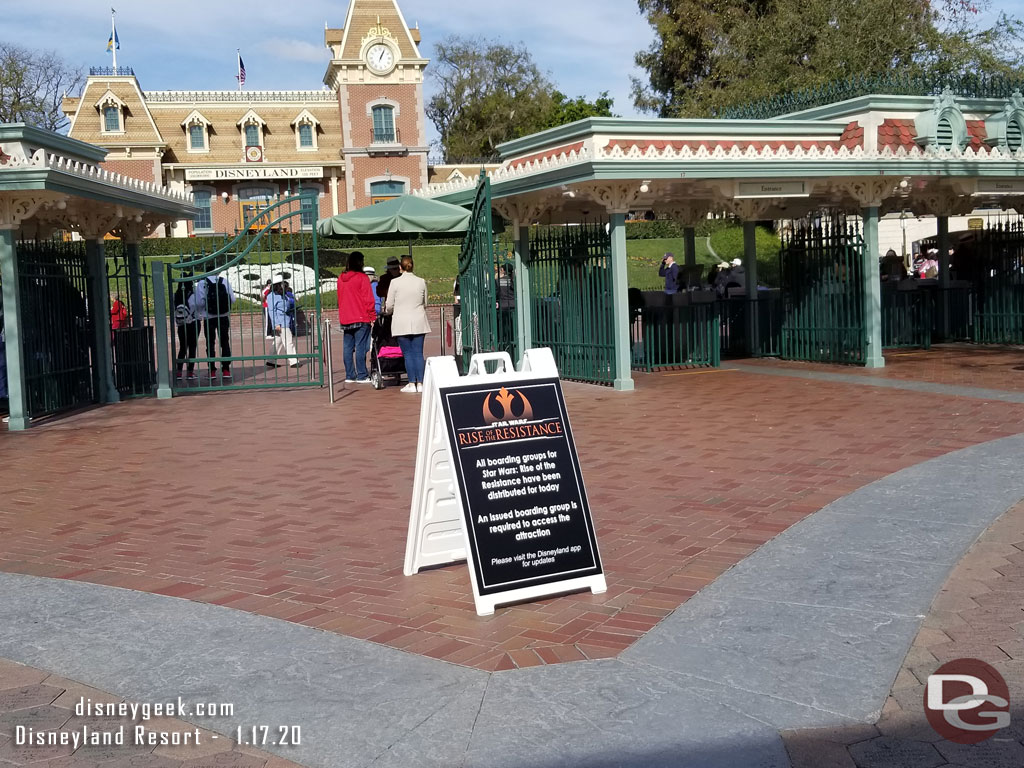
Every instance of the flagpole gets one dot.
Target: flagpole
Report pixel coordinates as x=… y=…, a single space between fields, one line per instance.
x=113 y=36
x=238 y=57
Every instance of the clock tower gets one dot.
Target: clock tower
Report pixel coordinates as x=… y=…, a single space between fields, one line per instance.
x=377 y=73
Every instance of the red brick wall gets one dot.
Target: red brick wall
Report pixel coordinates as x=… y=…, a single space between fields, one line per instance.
x=412 y=167
x=226 y=217
x=406 y=118
x=141 y=169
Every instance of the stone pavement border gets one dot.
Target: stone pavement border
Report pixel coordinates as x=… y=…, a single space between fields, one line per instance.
x=809 y=631
x=978 y=614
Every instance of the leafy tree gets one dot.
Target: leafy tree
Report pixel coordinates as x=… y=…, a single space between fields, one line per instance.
x=488 y=92
x=712 y=54
x=32 y=84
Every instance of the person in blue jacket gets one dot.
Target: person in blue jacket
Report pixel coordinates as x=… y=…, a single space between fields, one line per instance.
x=282 y=321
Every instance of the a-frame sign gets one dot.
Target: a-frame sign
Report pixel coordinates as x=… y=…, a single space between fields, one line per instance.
x=498 y=482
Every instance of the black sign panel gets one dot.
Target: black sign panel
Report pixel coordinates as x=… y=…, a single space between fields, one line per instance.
x=522 y=491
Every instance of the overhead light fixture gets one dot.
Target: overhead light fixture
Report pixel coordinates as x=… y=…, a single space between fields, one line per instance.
x=645 y=187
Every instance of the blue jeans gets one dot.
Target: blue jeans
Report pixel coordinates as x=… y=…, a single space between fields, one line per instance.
x=412 y=351
x=357 y=341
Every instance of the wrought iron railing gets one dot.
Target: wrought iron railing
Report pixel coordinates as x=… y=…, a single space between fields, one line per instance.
x=112 y=71
x=675 y=337
x=967 y=85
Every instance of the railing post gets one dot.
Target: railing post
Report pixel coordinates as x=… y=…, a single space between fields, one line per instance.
x=163 y=367
x=99 y=310
x=329 y=356
x=750 y=265
x=131 y=252
x=943 y=303
x=524 y=335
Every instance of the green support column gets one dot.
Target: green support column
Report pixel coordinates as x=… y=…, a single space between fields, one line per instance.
x=524 y=329
x=620 y=301
x=15 y=337
x=750 y=266
x=131 y=252
x=99 y=311
x=872 y=290
x=689 y=246
x=943 y=304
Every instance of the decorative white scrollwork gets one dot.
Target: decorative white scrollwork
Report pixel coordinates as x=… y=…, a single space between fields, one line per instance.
x=16 y=208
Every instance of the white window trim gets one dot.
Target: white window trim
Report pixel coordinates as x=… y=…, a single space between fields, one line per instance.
x=305 y=117
x=404 y=179
x=196 y=118
x=237 y=189
x=319 y=195
x=251 y=118
x=110 y=99
x=214 y=197
x=382 y=102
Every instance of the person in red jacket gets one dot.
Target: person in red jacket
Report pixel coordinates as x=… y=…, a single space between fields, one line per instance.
x=118 y=314
x=355 y=316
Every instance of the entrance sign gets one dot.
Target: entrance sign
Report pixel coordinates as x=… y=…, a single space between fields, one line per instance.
x=498 y=482
x=1000 y=186
x=772 y=189
x=235 y=174
x=976 y=223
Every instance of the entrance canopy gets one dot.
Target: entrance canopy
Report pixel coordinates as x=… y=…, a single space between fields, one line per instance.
x=933 y=155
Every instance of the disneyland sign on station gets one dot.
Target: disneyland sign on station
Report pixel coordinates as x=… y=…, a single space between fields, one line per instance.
x=240 y=174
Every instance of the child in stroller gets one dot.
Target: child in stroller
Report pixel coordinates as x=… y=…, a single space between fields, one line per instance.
x=385 y=355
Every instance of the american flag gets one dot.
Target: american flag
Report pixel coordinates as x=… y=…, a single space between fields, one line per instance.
x=240 y=77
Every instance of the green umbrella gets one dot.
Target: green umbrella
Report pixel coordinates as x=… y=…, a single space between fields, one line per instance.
x=408 y=214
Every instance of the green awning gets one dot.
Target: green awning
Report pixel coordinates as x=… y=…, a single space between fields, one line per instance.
x=406 y=214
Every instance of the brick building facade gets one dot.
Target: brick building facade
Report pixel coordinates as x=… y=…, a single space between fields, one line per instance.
x=360 y=139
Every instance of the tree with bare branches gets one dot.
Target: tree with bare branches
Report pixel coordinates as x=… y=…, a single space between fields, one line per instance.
x=32 y=84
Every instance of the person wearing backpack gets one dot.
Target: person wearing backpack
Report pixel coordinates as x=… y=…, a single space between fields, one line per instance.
x=186 y=320
x=216 y=300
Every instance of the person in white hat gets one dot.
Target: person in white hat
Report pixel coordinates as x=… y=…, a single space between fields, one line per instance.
x=284 y=339
x=371 y=273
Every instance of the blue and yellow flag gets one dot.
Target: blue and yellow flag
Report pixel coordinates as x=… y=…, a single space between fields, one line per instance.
x=113 y=43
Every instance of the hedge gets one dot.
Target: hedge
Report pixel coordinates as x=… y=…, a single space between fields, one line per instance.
x=173 y=246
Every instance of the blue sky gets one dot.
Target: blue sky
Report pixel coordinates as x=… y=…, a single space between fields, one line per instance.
x=586 y=46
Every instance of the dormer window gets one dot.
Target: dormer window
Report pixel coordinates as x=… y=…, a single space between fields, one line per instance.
x=1005 y=129
x=252 y=127
x=198 y=129
x=943 y=126
x=305 y=125
x=111 y=110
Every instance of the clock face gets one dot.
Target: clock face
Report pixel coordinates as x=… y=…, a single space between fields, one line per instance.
x=380 y=58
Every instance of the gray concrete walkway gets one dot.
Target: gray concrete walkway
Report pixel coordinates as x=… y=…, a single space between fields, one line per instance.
x=808 y=631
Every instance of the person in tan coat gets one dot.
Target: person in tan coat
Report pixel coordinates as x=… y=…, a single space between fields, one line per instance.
x=407 y=304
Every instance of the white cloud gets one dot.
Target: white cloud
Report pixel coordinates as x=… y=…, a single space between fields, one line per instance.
x=294 y=50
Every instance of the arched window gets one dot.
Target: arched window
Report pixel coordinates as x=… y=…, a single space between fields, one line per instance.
x=197 y=136
x=385 y=190
x=383 y=124
x=1014 y=135
x=305 y=135
x=204 y=219
x=252 y=135
x=112 y=119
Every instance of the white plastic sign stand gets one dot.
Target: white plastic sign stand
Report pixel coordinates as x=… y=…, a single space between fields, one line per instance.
x=498 y=482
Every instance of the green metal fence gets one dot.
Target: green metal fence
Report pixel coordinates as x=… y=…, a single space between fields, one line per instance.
x=907 y=317
x=485 y=327
x=131 y=326
x=216 y=347
x=823 y=315
x=999 y=283
x=59 y=339
x=675 y=337
x=571 y=299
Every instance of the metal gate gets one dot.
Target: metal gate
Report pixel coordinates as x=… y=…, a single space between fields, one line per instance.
x=571 y=299
x=229 y=342
x=59 y=339
x=133 y=352
x=486 y=284
x=998 y=278
x=822 y=289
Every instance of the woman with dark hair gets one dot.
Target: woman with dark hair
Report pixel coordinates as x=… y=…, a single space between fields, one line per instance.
x=356 y=314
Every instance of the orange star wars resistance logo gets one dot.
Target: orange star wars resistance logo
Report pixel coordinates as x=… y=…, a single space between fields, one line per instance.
x=508 y=416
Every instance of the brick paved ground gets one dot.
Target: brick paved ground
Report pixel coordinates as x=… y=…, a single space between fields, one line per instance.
x=978 y=614
x=962 y=365
x=280 y=504
x=36 y=699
